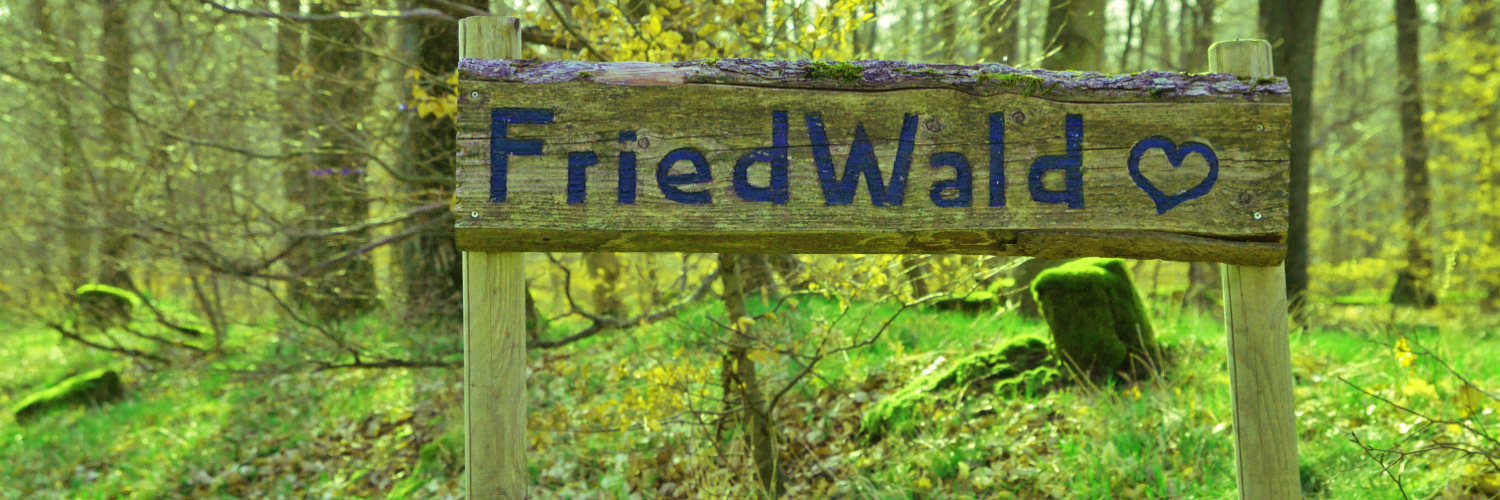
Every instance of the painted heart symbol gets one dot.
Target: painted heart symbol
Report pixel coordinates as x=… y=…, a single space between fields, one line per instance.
x=1175 y=154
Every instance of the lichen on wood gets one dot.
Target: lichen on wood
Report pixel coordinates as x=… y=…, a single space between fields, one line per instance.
x=979 y=79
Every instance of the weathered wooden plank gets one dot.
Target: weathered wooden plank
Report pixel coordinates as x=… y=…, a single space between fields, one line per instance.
x=984 y=154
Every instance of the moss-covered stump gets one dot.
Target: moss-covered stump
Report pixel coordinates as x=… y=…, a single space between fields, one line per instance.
x=1097 y=318
x=1019 y=364
x=95 y=387
x=104 y=304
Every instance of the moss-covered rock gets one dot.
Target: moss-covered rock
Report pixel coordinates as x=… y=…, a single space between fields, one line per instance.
x=1097 y=318
x=442 y=456
x=95 y=387
x=1018 y=364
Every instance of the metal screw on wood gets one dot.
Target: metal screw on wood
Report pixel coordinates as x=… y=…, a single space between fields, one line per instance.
x=475 y=214
x=1257 y=215
x=1260 y=128
x=474 y=94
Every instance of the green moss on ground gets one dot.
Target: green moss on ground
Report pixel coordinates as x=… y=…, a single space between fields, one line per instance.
x=1097 y=318
x=1018 y=364
x=841 y=71
x=95 y=387
x=440 y=458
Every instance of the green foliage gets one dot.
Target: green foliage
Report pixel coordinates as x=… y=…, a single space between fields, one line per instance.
x=95 y=387
x=1095 y=314
x=1018 y=364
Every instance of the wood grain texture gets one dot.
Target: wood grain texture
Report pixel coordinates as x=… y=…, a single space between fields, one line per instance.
x=494 y=328
x=730 y=109
x=495 y=375
x=1260 y=365
x=1260 y=376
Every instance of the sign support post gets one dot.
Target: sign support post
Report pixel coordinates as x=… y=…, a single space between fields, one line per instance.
x=1255 y=319
x=494 y=326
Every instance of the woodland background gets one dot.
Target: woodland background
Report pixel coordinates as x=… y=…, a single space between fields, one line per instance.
x=274 y=179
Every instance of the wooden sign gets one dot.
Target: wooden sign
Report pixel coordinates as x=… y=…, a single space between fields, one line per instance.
x=753 y=156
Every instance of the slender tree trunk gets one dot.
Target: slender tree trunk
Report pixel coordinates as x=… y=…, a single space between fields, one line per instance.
x=1001 y=31
x=604 y=268
x=1481 y=27
x=1203 y=290
x=332 y=185
x=116 y=48
x=740 y=379
x=70 y=163
x=1292 y=28
x=1075 y=30
x=948 y=20
x=1130 y=29
x=916 y=273
x=1164 y=35
x=1414 y=283
x=1195 y=58
x=430 y=262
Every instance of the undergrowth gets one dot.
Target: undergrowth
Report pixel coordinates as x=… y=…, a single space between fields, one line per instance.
x=628 y=415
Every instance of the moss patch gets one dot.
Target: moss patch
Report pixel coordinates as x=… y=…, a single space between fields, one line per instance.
x=104 y=303
x=1027 y=84
x=841 y=71
x=1018 y=364
x=442 y=457
x=95 y=387
x=1096 y=316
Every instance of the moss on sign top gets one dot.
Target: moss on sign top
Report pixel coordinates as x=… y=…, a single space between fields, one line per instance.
x=841 y=71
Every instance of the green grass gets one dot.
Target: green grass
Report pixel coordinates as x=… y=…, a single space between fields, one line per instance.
x=614 y=414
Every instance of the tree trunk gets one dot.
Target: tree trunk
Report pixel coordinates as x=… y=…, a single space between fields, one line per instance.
x=1204 y=287
x=604 y=268
x=916 y=271
x=1292 y=28
x=338 y=283
x=1481 y=26
x=1195 y=58
x=1075 y=30
x=948 y=28
x=116 y=48
x=1001 y=31
x=430 y=263
x=1414 y=283
x=740 y=379
x=75 y=233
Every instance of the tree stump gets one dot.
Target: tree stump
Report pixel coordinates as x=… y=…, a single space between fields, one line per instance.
x=1097 y=318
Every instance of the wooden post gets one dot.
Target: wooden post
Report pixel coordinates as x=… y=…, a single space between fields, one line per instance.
x=494 y=326
x=1255 y=317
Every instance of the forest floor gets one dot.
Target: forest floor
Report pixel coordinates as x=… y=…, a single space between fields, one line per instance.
x=627 y=415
